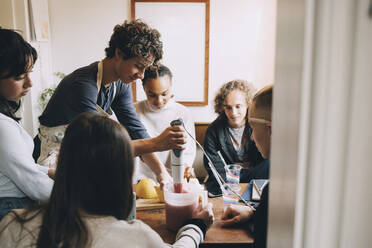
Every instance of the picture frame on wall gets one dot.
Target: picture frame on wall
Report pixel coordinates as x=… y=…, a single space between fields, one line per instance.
x=184 y=29
x=39 y=19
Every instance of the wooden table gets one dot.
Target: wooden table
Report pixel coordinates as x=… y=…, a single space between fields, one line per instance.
x=217 y=236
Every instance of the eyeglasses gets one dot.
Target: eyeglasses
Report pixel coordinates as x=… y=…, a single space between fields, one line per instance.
x=259 y=120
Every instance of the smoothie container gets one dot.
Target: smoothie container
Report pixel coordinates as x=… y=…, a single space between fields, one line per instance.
x=180 y=206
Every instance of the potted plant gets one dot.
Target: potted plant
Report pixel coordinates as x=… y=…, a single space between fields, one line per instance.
x=47 y=93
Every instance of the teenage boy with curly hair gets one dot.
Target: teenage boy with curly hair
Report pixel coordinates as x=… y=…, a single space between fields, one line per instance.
x=104 y=86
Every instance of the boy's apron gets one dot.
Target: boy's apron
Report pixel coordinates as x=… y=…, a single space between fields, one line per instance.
x=51 y=137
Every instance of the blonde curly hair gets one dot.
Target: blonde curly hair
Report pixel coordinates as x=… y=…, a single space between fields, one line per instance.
x=227 y=88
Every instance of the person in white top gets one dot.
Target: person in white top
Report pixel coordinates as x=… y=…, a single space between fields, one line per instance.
x=156 y=113
x=22 y=182
x=92 y=197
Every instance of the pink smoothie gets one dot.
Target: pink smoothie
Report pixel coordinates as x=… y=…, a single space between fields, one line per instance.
x=175 y=215
x=178 y=188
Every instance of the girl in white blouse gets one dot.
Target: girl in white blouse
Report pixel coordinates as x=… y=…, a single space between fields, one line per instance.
x=22 y=182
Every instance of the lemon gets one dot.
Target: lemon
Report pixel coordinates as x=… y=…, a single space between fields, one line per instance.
x=146 y=189
x=160 y=193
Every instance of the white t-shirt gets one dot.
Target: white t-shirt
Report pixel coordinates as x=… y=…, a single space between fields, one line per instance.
x=156 y=121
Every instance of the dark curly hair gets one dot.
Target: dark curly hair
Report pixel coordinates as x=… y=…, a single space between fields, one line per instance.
x=242 y=85
x=153 y=72
x=16 y=56
x=135 y=39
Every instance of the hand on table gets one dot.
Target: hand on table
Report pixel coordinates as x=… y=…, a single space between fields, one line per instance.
x=235 y=214
x=204 y=213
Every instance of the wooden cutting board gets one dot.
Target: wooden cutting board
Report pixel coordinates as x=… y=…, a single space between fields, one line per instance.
x=146 y=204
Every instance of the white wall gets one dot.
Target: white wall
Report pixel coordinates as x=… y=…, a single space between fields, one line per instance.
x=14 y=14
x=242 y=45
x=81 y=30
x=242 y=39
x=6 y=14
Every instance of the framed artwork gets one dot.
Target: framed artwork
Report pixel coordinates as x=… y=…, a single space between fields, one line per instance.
x=39 y=19
x=184 y=29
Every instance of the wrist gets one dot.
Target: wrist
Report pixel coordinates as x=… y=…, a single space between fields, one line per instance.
x=153 y=142
x=156 y=143
x=198 y=222
x=144 y=146
x=249 y=214
x=161 y=172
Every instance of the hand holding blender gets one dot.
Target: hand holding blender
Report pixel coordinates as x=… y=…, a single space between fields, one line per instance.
x=177 y=163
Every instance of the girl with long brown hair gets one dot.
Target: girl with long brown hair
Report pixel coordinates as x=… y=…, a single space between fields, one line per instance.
x=92 y=197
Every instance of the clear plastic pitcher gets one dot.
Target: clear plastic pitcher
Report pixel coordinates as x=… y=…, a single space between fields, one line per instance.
x=180 y=206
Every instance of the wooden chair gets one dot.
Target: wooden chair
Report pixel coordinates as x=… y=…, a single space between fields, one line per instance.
x=200 y=129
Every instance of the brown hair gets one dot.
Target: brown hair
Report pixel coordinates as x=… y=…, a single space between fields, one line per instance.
x=263 y=102
x=154 y=72
x=135 y=39
x=16 y=56
x=93 y=176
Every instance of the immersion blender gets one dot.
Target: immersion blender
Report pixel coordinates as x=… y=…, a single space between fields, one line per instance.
x=177 y=163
